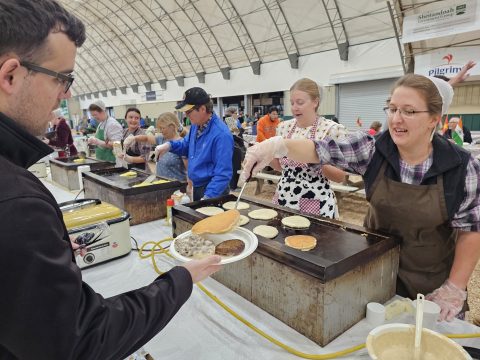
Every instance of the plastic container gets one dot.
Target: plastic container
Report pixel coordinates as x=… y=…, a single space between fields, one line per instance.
x=375 y=314
x=170 y=204
x=81 y=169
x=431 y=313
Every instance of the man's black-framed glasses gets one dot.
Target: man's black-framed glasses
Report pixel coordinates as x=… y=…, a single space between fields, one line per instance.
x=65 y=79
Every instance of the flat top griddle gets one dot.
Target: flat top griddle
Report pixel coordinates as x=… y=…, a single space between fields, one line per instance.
x=340 y=246
x=68 y=162
x=111 y=178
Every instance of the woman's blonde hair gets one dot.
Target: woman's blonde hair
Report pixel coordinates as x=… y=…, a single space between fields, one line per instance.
x=310 y=87
x=169 y=118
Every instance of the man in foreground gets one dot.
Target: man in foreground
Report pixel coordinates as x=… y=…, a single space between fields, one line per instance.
x=46 y=311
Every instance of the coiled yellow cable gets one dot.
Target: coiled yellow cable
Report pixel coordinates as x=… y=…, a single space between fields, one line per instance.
x=157 y=249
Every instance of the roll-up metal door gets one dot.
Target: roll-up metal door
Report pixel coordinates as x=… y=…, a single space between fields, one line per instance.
x=364 y=99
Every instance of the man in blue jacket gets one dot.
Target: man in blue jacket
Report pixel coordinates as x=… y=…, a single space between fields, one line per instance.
x=208 y=146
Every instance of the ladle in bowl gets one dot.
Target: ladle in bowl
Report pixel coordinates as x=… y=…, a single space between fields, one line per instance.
x=418 y=326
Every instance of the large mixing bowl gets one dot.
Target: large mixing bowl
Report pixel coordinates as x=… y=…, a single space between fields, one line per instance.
x=396 y=342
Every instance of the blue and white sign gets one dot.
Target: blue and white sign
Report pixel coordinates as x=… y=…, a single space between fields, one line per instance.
x=447 y=62
x=151 y=96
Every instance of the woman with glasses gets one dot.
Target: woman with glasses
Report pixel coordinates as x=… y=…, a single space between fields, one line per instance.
x=421 y=188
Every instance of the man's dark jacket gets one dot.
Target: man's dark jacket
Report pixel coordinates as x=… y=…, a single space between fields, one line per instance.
x=46 y=311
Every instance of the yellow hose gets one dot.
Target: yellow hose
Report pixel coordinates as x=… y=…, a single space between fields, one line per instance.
x=157 y=249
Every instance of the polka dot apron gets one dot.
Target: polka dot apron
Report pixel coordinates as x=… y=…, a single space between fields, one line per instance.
x=304 y=189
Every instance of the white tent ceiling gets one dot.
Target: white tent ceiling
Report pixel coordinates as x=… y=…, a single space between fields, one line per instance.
x=137 y=42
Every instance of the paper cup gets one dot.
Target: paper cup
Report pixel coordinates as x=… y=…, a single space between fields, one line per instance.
x=431 y=313
x=81 y=170
x=375 y=313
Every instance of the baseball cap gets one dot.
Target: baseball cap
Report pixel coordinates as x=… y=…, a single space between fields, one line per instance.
x=100 y=104
x=193 y=97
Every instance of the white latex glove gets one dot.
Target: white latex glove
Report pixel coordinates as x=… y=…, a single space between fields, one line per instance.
x=129 y=142
x=125 y=157
x=150 y=131
x=201 y=269
x=92 y=141
x=261 y=154
x=160 y=150
x=97 y=142
x=450 y=298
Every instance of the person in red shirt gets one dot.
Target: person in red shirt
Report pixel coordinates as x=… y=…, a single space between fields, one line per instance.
x=267 y=125
x=63 y=135
x=375 y=128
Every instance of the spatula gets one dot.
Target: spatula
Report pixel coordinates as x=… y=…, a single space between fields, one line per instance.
x=149 y=179
x=243 y=187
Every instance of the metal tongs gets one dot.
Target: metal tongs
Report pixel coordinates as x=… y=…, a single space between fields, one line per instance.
x=243 y=187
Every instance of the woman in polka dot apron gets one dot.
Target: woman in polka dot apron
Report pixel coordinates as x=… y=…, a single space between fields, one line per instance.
x=301 y=188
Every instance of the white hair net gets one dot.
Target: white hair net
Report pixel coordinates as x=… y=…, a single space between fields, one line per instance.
x=445 y=90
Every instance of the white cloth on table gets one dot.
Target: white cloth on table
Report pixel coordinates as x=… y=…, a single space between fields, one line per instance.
x=203 y=330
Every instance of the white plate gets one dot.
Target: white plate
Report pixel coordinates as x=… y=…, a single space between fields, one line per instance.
x=248 y=237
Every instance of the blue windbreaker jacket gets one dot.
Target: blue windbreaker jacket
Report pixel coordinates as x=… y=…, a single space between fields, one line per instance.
x=209 y=156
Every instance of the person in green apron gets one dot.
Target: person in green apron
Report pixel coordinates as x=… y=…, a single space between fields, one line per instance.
x=108 y=131
x=421 y=188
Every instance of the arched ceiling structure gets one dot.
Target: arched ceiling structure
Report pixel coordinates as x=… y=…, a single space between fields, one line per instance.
x=140 y=42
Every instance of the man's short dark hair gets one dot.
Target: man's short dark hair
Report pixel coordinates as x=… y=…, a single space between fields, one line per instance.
x=26 y=24
x=209 y=107
x=272 y=109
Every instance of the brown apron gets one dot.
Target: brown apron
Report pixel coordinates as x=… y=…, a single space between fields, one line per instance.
x=417 y=215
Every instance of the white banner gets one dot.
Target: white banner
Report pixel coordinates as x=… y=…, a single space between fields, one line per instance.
x=448 y=61
x=454 y=19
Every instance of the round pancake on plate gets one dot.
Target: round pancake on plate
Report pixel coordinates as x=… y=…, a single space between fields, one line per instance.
x=263 y=214
x=243 y=220
x=231 y=205
x=210 y=210
x=301 y=242
x=217 y=224
x=266 y=231
x=297 y=222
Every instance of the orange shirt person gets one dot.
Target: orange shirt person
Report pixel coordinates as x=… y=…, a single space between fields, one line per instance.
x=267 y=125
